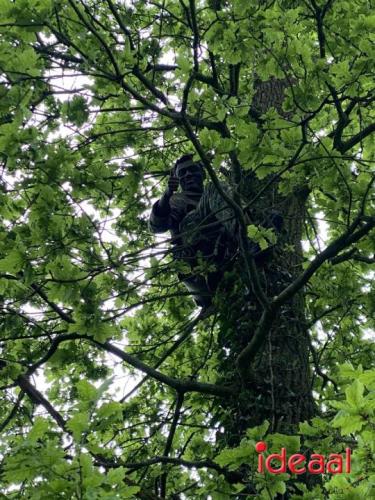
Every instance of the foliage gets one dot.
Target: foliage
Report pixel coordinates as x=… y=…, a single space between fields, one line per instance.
x=98 y=99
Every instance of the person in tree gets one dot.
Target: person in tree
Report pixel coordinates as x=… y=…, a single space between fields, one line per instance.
x=202 y=226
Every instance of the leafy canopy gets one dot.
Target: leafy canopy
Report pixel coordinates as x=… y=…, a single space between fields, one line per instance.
x=97 y=101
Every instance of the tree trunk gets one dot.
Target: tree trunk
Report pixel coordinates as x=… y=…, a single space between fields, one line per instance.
x=278 y=386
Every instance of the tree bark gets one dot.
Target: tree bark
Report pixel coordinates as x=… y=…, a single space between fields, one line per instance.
x=278 y=386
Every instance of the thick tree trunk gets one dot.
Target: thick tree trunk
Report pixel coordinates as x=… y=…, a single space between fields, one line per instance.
x=278 y=384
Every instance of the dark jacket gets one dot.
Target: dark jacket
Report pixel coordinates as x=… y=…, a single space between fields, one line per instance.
x=180 y=205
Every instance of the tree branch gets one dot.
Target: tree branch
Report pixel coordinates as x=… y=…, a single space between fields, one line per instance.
x=350 y=143
x=39 y=399
x=188 y=330
x=349 y=237
x=181 y=386
x=52 y=305
x=352 y=254
x=13 y=411
x=168 y=445
x=250 y=267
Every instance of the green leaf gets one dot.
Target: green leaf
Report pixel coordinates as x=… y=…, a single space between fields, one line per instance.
x=258 y=432
x=233 y=458
x=78 y=424
x=76 y=110
x=111 y=409
x=354 y=394
x=116 y=476
x=40 y=427
x=368 y=378
x=348 y=423
x=13 y=262
x=86 y=391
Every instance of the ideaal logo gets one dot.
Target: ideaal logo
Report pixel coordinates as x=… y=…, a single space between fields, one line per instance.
x=317 y=464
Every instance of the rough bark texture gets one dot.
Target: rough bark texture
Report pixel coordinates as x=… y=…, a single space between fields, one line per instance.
x=278 y=387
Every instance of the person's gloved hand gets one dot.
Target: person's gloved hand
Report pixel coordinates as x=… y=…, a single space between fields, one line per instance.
x=173 y=184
